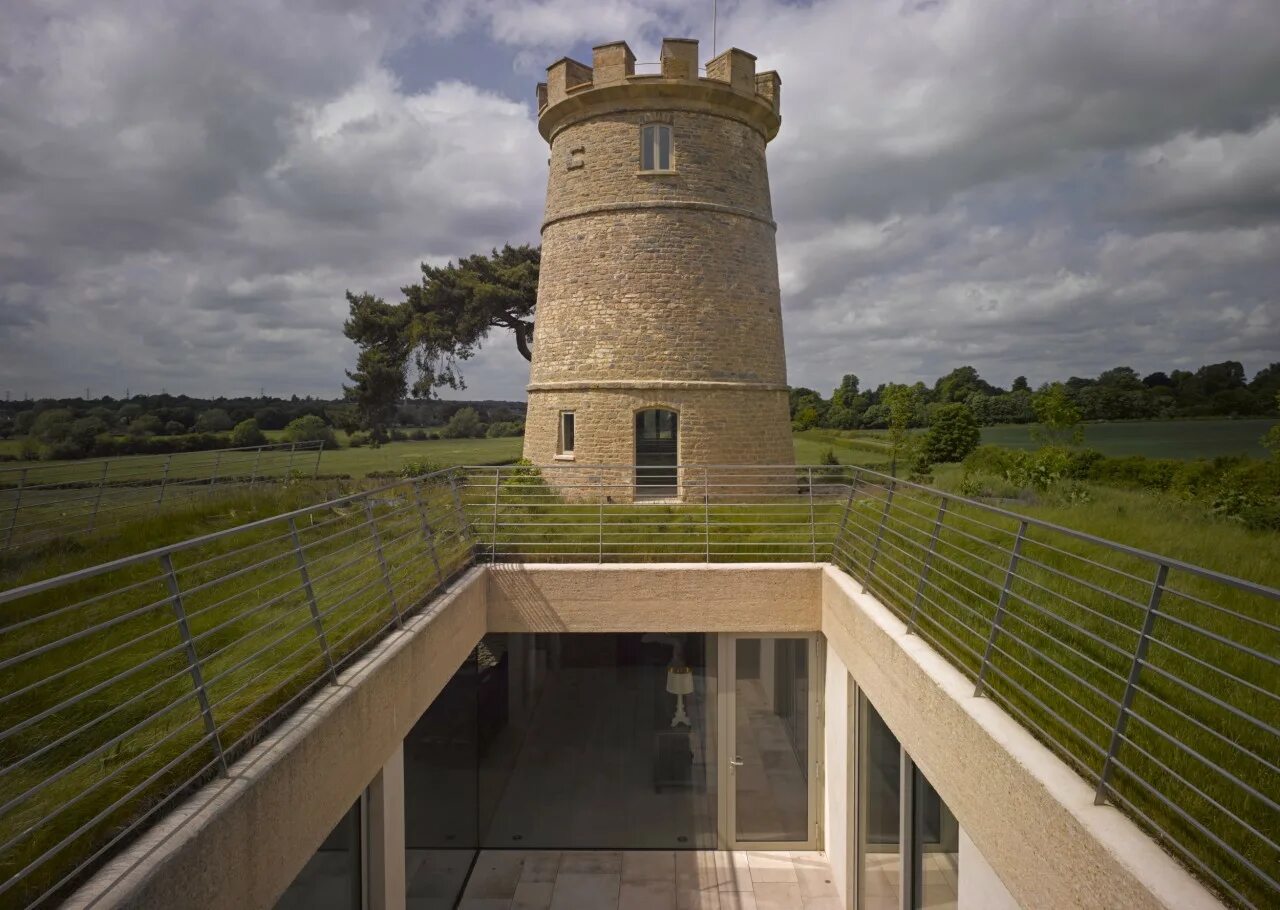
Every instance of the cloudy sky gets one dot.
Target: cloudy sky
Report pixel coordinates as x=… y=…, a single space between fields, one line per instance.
x=1038 y=187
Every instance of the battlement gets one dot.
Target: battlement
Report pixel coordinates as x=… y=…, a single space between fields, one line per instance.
x=613 y=72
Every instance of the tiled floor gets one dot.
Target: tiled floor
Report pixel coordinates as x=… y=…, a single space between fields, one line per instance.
x=650 y=880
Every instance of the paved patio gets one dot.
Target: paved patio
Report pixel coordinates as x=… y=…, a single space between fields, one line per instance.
x=649 y=880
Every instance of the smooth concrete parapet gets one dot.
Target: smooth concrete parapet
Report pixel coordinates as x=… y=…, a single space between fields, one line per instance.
x=662 y=597
x=241 y=840
x=1029 y=814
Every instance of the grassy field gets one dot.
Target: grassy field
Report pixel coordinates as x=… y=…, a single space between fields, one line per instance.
x=1155 y=438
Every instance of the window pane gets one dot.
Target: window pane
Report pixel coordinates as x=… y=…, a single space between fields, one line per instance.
x=937 y=850
x=646 y=148
x=880 y=785
x=664 y=148
x=331 y=879
x=566 y=432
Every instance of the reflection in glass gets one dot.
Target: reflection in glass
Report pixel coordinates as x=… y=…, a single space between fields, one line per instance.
x=771 y=739
x=331 y=879
x=597 y=741
x=936 y=849
x=879 y=786
x=440 y=784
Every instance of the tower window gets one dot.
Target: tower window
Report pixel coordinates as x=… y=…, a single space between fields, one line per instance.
x=566 y=432
x=655 y=147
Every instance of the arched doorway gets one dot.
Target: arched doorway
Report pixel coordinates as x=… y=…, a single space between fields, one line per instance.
x=656 y=453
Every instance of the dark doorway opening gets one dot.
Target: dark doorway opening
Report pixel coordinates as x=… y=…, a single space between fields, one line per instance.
x=656 y=453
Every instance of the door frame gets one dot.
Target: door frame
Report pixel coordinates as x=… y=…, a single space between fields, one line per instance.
x=726 y=730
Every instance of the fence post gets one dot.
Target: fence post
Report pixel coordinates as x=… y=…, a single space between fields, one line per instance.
x=706 y=510
x=315 y=471
x=288 y=471
x=305 y=574
x=884 y=519
x=217 y=463
x=382 y=559
x=193 y=660
x=813 y=519
x=928 y=562
x=1009 y=575
x=17 y=502
x=164 y=479
x=1131 y=685
x=497 y=489
x=257 y=457
x=102 y=486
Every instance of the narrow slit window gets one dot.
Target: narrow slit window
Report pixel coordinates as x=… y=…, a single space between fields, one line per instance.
x=655 y=147
x=566 y=432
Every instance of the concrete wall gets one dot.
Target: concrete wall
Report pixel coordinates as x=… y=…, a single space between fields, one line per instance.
x=980 y=887
x=1029 y=814
x=839 y=745
x=697 y=597
x=240 y=841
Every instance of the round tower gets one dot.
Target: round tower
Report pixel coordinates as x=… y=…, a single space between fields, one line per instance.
x=658 y=337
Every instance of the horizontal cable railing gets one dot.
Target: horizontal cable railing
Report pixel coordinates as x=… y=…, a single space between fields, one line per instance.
x=42 y=501
x=125 y=685
x=1157 y=680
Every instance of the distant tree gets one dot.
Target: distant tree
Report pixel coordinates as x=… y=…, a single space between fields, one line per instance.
x=173 y=428
x=310 y=428
x=496 y=429
x=847 y=405
x=800 y=398
x=271 y=418
x=84 y=431
x=1058 y=416
x=247 y=433
x=959 y=384
x=1156 y=380
x=381 y=332
x=214 y=420
x=1272 y=439
x=52 y=426
x=128 y=413
x=903 y=403
x=953 y=434
x=1020 y=385
x=464 y=424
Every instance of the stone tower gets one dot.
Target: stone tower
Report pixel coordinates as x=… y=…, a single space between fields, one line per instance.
x=658 y=337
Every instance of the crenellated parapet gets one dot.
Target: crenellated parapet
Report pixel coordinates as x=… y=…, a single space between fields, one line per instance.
x=730 y=85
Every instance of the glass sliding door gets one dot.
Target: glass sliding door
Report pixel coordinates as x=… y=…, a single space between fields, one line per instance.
x=879 y=812
x=769 y=716
x=935 y=850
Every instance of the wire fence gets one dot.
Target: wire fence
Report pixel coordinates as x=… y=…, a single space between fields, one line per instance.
x=124 y=686
x=53 y=499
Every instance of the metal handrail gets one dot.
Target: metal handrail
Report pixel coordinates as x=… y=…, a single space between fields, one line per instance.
x=154 y=671
x=39 y=502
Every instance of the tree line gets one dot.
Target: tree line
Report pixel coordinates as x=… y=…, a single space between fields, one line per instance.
x=1120 y=393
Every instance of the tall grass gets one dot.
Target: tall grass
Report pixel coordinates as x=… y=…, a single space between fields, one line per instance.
x=103 y=727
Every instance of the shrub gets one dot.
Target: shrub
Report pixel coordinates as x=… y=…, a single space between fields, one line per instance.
x=310 y=429
x=464 y=424
x=358 y=440
x=952 y=435
x=173 y=428
x=146 y=425
x=416 y=467
x=418 y=435
x=247 y=433
x=501 y=428
x=398 y=435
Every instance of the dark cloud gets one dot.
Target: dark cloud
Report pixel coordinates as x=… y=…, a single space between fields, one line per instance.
x=187 y=189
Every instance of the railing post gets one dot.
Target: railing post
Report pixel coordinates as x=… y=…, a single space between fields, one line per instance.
x=382 y=559
x=305 y=574
x=884 y=519
x=1009 y=575
x=706 y=512
x=464 y=524
x=102 y=486
x=427 y=535
x=193 y=660
x=600 y=518
x=217 y=463
x=257 y=457
x=844 y=516
x=813 y=520
x=497 y=489
x=928 y=562
x=1131 y=684
x=17 y=503
x=164 y=479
